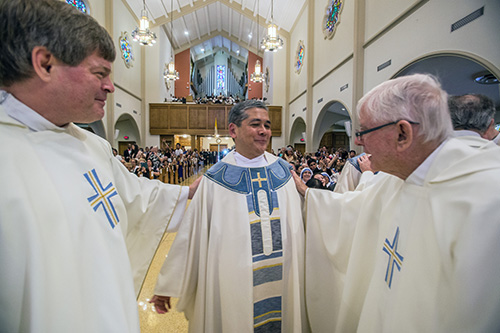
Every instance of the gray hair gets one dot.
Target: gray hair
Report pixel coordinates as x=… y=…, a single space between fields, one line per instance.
x=417 y=98
x=68 y=34
x=238 y=114
x=471 y=112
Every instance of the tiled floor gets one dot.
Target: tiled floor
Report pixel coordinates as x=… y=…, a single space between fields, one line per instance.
x=152 y=322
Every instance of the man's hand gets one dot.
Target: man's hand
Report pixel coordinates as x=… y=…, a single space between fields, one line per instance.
x=364 y=163
x=301 y=187
x=193 y=187
x=161 y=303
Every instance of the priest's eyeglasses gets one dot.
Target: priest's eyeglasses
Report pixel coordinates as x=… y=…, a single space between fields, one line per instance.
x=361 y=133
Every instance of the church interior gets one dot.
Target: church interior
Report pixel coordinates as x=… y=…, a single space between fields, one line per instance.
x=181 y=64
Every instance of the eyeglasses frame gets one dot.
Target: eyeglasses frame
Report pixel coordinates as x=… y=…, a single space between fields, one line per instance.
x=373 y=129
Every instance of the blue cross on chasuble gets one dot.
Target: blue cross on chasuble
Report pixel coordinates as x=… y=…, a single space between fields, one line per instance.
x=102 y=197
x=260 y=186
x=395 y=259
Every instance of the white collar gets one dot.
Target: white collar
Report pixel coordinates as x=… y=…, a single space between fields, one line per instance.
x=256 y=162
x=418 y=175
x=465 y=133
x=25 y=115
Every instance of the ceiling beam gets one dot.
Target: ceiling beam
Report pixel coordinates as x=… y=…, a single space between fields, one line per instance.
x=232 y=5
x=196 y=25
x=241 y=27
x=205 y=10
x=207 y=37
x=185 y=11
x=230 y=22
x=219 y=17
x=215 y=50
x=185 y=29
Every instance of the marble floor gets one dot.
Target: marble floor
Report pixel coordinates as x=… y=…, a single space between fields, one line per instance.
x=152 y=322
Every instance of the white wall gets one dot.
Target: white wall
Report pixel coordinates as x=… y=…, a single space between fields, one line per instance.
x=298 y=82
x=329 y=53
x=329 y=90
x=126 y=104
x=428 y=31
x=297 y=110
x=381 y=13
x=128 y=78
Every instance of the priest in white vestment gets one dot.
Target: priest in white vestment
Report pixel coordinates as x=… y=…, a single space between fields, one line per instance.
x=473 y=115
x=77 y=230
x=237 y=260
x=416 y=251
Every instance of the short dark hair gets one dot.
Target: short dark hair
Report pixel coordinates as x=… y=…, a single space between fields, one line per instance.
x=238 y=114
x=70 y=35
x=471 y=112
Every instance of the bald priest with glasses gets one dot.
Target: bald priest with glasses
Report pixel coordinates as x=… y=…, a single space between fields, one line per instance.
x=418 y=250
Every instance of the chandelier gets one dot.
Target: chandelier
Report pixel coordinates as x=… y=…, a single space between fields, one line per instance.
x=170 y=73
x=142 y=34
x=272 y=42
x=257 y=76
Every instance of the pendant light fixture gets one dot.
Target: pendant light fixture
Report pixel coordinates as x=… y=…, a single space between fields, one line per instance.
x=257 y=76
x=170 y=74
x=142 y=34
x=272 y=42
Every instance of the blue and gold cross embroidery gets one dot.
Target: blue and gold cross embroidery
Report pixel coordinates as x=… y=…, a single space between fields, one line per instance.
x=102 y=197
x=395 y=259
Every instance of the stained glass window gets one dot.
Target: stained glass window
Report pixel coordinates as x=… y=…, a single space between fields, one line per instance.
x=79 y=4
x=126 y=50
x=332 y=17
x=300 y=57
x=221 y=76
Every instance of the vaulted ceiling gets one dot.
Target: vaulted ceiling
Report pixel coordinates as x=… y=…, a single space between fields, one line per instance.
x=205 y=26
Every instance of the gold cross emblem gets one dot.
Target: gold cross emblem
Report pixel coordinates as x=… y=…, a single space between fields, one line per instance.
x=258 y=179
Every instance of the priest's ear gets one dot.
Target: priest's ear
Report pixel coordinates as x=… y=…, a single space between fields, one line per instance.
x=405 y=135
x=233 y=130
x=43 y=61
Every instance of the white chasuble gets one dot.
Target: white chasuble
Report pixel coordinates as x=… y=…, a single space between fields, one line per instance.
x=237 y=260
x=77 y=231
x=404 y=257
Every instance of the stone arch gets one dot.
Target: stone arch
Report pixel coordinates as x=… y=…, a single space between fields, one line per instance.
x=457 y=72
x=335 y=118
x=126 y=126
x=297 y=130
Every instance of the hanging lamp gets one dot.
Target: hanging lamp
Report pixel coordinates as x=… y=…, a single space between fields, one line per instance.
x=170 y=74
x=257 y=76
x=272 y=42
x=142 y=34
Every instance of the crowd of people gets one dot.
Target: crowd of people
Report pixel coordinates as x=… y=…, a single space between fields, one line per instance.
x=151 y=162
x=320 y=169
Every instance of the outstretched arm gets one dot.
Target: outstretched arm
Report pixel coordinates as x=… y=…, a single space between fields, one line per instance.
x=301 y=187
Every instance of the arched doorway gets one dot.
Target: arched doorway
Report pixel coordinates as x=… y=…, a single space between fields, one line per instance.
x=333 y=127
x=126 y=132
x=459 y=74
x=297 y=134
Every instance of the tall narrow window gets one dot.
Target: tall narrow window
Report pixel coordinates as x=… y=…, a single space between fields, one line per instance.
x=221 y=77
